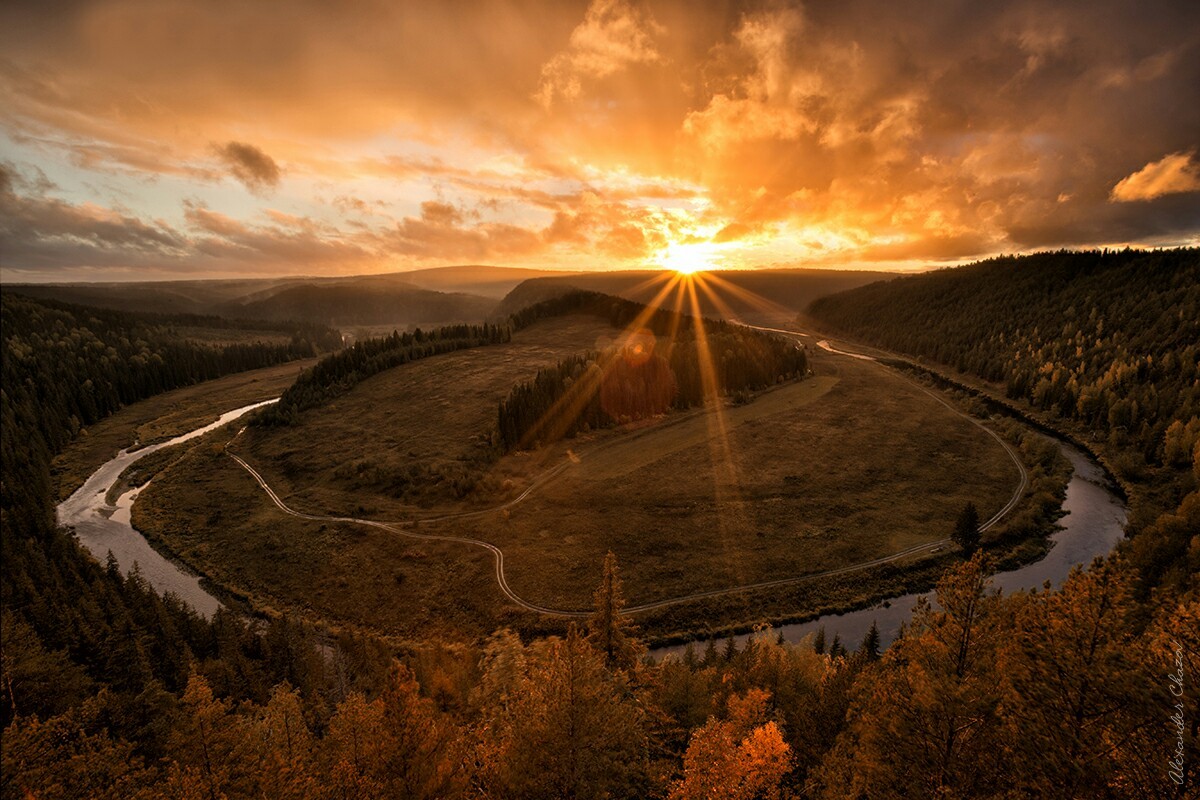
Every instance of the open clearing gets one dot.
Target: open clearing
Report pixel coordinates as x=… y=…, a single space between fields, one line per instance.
x=849 y=465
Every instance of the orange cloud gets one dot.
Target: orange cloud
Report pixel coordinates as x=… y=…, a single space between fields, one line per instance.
x=590 y=134
x=612 y=36
x=1172 y=174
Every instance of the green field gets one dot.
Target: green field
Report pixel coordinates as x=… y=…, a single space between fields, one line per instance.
x=854 y=463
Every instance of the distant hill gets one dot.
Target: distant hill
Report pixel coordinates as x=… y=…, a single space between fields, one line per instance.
x=168 y=297
x=481 y=280
x=361 y=300
x=761 y=296
x=443 y=295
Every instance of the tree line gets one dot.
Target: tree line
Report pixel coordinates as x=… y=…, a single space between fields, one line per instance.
x=632 y=381
x=71 y=627
x=339 y=372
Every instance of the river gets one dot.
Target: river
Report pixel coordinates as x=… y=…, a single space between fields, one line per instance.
x=1094 y=523
x=104 y=528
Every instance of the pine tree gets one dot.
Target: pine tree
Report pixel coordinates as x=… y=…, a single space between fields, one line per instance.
x=869 y=648
x=609 y=631
x=819 y=641
x=574 y=729
x=710 y=653
x=966 y=529
x=836 y=649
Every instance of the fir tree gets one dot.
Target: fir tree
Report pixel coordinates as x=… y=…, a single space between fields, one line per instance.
x=966 y=529
x=869 y=648
x=609 y=631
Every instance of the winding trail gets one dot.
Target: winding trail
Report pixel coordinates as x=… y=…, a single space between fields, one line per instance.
x=408 y=528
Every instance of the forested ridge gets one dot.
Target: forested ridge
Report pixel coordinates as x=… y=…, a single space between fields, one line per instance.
x=109 y=691
x=1105 y=342
x=619 y=384
x=338 y=373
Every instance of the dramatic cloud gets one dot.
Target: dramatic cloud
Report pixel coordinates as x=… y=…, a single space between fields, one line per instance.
x=251 y=166
x=601 y=134
x=612 y=36
x=1172 y=174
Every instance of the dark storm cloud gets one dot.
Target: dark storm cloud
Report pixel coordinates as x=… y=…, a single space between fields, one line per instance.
x=251 y=166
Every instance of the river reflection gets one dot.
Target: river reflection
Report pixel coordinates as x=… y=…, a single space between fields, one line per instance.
x=104 y=528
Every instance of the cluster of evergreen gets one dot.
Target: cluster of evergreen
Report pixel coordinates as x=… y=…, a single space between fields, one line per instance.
x=339 y=372
x=632 y=381
x=66 y=367
x=1106 y=342
x=73 y=627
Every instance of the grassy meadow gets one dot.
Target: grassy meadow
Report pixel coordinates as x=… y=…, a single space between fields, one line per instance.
x=853 y=463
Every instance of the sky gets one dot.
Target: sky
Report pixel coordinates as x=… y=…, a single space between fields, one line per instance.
x=157 y=139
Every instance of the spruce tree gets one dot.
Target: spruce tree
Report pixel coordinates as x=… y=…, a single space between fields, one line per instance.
x=966 y=530
x=836 y=649
x=609 y=631
x=869 y=648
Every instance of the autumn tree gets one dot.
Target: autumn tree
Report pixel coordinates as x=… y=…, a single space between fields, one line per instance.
x=1077 y=685
x=923 y=720
x=573 y=730
x=70 y=755
x=288 y=747
x=215 y=753
x=1170 y=711
x=353 y=746
x=739 y=758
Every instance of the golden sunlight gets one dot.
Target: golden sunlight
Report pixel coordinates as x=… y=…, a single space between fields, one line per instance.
x=689 y=257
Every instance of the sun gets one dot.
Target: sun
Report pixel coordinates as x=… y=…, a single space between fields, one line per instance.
x=686 y=258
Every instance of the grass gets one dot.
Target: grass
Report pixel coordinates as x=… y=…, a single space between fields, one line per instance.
x=416 y=437
x=853 y=463
x=166 y=415
x=815 y=476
